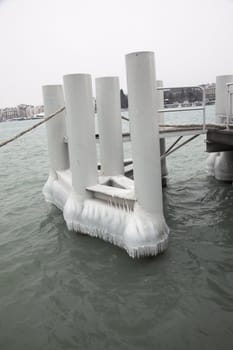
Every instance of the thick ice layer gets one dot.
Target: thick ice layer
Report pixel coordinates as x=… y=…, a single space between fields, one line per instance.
x=220 y=165
x=126 y=226
x=223 y=167
x=210 y=163
x=57 y=188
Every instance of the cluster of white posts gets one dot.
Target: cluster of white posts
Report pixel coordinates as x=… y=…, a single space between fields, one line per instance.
x=220 y=164
x=105 y=203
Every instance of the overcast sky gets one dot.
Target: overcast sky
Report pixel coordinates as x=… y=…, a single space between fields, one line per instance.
x=41 y=40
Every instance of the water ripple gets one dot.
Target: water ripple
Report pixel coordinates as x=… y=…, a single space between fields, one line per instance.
x=63 y=290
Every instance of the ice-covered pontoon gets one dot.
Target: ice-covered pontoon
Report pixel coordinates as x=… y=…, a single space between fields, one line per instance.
x=105 y=203
x=220 y=163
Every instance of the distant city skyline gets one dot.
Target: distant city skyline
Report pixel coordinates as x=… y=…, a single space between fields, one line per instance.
x=22 y=111
x=43 y=40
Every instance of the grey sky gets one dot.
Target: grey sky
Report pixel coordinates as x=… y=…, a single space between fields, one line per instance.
x=41 y=40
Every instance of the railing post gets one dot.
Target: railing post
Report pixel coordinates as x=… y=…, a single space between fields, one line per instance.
x=204 y=106
x=228 y=108
x=160 y=117
x=229 y=103
x=221 y=96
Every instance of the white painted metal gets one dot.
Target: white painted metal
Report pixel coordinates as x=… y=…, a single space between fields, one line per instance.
x=81 y=131
x=144 y=130
x=221 y=97
x=229 y=103
x=109 y=121
x=203 y=105
x=167 y=88
x=56 y=127
x=222 y=164
x=182 y=109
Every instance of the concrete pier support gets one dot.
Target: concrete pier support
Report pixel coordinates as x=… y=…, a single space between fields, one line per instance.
x=56 y=127
x=81 y=131
x=109 y=121
x=144 y=130
x=160 y=116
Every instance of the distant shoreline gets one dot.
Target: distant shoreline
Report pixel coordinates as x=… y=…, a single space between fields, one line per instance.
x=20 y=119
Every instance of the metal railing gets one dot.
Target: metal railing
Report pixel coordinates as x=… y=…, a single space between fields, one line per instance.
x=182 y=109
x=229 y=105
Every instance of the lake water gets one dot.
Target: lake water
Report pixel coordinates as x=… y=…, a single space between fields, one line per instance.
x=63 y=290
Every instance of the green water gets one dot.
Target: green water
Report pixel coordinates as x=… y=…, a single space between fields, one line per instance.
x=63 y=290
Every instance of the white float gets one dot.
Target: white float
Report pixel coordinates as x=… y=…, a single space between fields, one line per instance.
x=220 y=164
x=109 y=205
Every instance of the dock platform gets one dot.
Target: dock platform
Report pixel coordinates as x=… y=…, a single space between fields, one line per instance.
x=219 y=140
x=170 y=130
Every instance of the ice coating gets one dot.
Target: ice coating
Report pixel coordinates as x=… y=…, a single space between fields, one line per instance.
x=126 y=213
x=210 y=163
x=130 y=228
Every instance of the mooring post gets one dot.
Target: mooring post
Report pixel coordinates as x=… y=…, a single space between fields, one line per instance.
x=160 y=117
x=81 y=131
x=144 y=128
x=221 y=97
x=56 y=127
x=109 y=121
x=221 y=164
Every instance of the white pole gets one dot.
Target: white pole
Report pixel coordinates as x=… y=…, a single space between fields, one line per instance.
x=81 y=131
x=160 y=117
x=222 y=166
x=109 y=121
x=221 y=96
x=144 y=130
x=56 y=127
